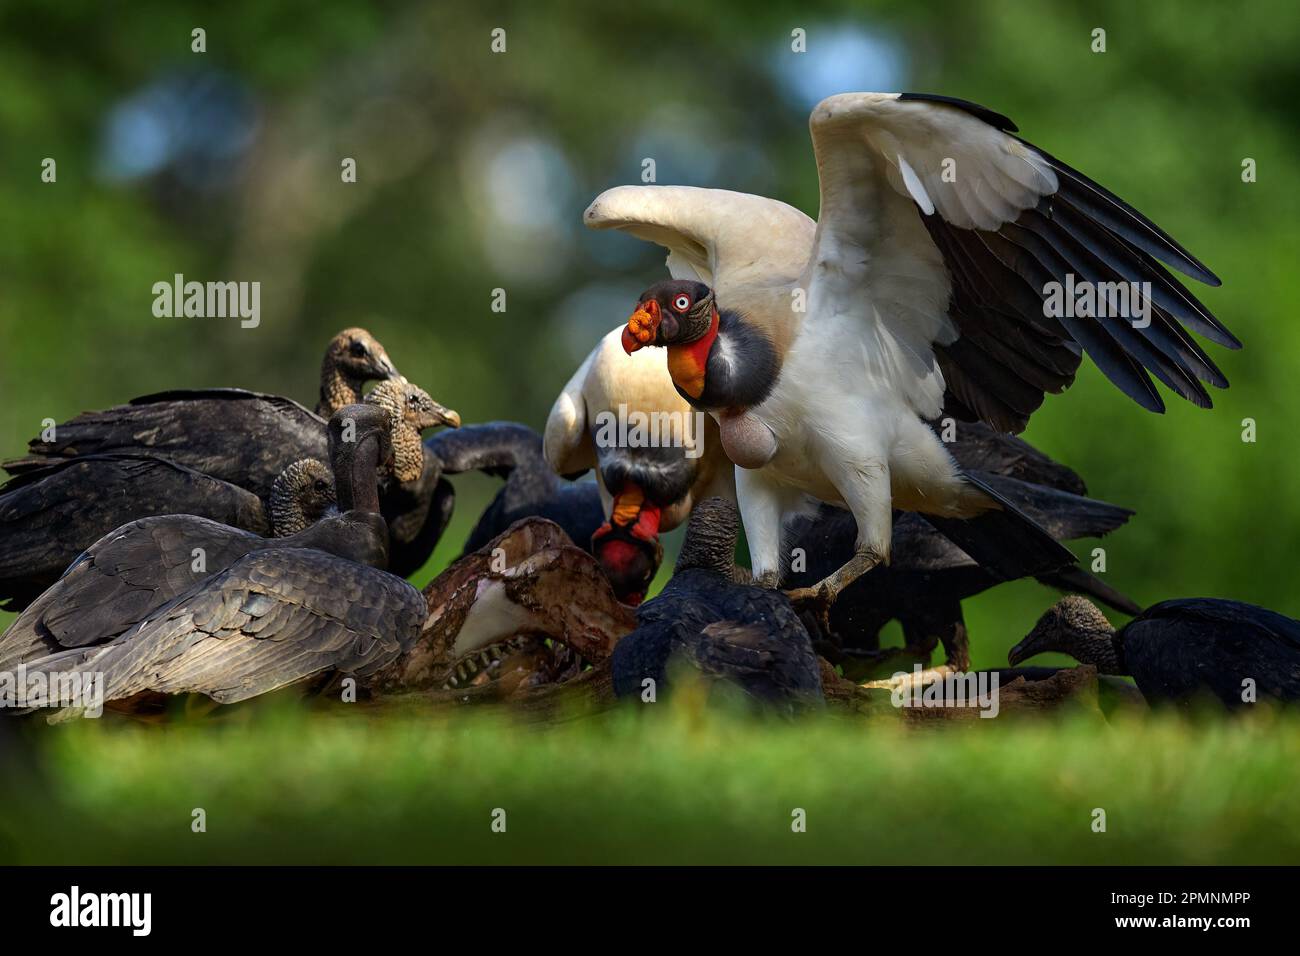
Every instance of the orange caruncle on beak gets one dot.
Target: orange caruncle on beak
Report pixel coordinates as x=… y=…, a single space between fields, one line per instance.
x=627 y=505
x=642 y=326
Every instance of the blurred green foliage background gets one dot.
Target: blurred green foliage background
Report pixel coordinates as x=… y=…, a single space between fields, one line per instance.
x=473 y=169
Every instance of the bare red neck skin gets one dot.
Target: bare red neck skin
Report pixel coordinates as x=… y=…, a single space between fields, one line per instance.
x=647 y=523
x=688 y=363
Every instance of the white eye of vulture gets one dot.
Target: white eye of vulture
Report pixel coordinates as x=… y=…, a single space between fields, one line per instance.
x=954 y=269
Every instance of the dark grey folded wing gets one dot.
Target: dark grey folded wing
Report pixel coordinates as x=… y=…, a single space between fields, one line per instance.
x=980 y=448
x=496 y=448
x=50 y=515
x=242 y=437
x=120 y=580
x=272 y=619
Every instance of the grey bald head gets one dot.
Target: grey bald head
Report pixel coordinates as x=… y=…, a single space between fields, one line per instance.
x=1073 y=626
x=302 y=494
x=411 y=411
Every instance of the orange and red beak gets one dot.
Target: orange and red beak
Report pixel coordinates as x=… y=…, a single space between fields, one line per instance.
x=642 y=326
x=627 y=546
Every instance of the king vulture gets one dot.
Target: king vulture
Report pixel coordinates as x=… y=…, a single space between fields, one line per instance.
x=654 y=457
x=928 y=287
x=929 y=576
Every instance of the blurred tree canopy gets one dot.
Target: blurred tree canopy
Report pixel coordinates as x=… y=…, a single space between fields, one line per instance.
x=473 y=168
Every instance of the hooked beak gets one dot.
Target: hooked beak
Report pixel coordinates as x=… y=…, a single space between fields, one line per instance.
x=642 y=326
x=1024 y=650
x=435 y=416
x=444 y=416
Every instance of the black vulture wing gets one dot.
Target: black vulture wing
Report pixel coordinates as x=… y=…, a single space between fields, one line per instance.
x=1176 y=648
x=274 y=618
x=496 y=448
x=532 y=488
x=121 y=579
x=246 y=438
x=977 y=447
x=48 y=516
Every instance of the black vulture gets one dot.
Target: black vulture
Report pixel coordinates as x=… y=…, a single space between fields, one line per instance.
x=275 y=617
x=49 y=515
x=245 y=438
x=1179 y=650
x=415 y=499
x=133 y=570
x=705 y=620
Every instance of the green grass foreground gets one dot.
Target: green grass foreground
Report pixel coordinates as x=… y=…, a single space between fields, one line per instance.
x=676 y=785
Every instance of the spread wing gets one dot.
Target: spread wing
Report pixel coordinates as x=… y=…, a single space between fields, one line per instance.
x=938 y=241
x=270 y=620
x=749 y=249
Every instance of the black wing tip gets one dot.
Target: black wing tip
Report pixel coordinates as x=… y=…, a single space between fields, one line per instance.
x=1165 y=247
x=974 y=109
x=1186 y=263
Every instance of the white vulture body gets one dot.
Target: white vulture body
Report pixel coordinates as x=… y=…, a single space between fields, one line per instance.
x=918 y=292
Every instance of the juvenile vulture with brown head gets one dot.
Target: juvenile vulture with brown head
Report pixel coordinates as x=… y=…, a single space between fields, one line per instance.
x=216 y=453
